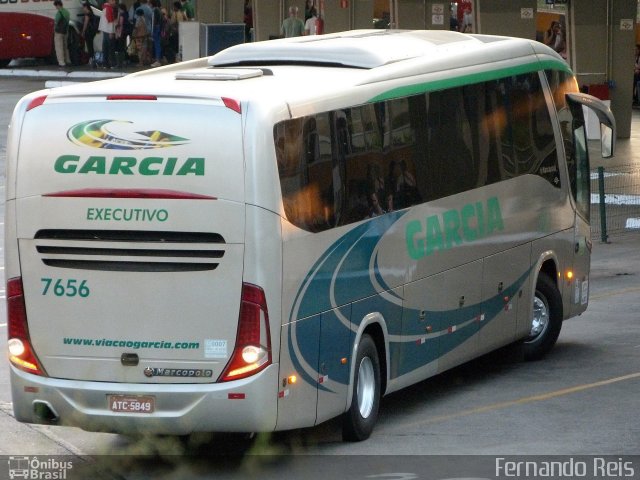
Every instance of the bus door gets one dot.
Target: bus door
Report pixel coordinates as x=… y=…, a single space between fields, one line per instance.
x=506 y=303
x=315 y=351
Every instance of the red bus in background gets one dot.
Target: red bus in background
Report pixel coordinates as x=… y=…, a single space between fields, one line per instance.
x=26 y=30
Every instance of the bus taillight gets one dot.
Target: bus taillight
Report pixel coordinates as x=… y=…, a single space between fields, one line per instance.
x=36 y=102
x=252 y=352
x=21 y=354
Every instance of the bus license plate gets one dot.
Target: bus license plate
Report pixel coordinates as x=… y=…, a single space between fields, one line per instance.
x=132 y=403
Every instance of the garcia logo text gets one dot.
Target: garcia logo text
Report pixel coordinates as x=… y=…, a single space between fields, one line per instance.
x=148 y=166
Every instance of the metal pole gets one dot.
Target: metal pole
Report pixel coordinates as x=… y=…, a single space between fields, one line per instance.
x=396 y=23
x=609 y=41
x=603 y=210
x=392 y=14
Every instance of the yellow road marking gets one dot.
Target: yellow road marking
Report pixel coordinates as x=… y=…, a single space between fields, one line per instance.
x=525 y=400
x=614 y=292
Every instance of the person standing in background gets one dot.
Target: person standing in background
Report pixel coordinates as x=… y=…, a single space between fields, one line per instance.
x=89 y=30
x=467 y=21
x=132 y=13
x=60 y=28
x=173 y=43
x=292 y=26
x=140 y=36
x=108 y=28
x=156 y=30
x=123 y=29
x=310 y=24
x=308 y=5
x=148 y=14
x=248 y=20
x=189 y=11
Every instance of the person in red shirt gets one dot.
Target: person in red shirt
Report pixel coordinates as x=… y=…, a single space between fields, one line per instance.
x=107 y=27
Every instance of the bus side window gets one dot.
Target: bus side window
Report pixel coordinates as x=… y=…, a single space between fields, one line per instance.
x=560 y=84
x=450 y=153
x=347 y=165
x=305 y=169
x=526 y=139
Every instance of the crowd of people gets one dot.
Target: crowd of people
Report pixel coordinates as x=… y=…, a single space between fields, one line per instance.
x=144 y=33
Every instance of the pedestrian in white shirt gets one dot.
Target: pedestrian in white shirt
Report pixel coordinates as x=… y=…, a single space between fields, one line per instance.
x=310 y=24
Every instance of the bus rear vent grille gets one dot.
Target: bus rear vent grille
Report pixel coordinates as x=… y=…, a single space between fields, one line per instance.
x=130 y=251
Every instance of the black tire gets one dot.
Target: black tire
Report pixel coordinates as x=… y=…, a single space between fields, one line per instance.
x=5 y=62
x=546 y=319
x=359 y=420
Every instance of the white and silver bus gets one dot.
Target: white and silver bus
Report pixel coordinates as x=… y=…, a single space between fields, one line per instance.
x=289 y=230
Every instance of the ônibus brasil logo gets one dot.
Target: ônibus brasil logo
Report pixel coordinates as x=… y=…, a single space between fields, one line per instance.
x=120 y=135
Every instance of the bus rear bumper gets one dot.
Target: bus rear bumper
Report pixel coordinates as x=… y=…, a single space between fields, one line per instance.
x=247 y=405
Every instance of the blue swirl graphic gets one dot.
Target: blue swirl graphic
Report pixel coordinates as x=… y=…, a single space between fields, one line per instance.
x=349 y=271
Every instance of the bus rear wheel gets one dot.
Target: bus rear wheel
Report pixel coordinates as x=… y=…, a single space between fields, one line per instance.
x=546 y=320
x=359 y=420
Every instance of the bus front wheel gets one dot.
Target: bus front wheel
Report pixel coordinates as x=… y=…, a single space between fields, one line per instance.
x=546 y=320
x=359 y=420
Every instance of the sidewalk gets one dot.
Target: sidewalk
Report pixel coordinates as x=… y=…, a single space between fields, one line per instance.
x=37 y=69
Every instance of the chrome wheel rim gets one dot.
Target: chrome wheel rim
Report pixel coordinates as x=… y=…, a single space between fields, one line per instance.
x=366 y=387
x=540 y=320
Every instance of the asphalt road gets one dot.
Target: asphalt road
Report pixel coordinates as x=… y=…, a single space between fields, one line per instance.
x=582 y=399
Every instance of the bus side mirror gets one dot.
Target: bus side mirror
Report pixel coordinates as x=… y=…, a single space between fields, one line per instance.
x=605 y=117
